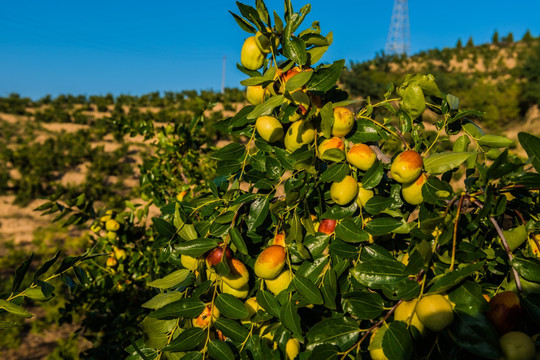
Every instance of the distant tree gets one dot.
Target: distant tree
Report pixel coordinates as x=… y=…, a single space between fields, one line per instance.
x=527 y=37
x=509 y=38
x=470 y=42
x=459 y=44
x=531 y=74
x=495 y=37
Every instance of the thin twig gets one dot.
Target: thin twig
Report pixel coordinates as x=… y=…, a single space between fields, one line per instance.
x=380 y=155
x=454 y=237
x=505 y=246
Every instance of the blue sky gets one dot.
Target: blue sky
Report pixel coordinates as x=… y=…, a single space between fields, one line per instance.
x=82 y=47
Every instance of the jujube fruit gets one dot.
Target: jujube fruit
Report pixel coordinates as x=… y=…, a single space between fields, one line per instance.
x=255 y=94
x=252 y=307
x=298 y=134
x=406 y=312
x=435 y=312
x=327 y=226
x=361 y=156
x=270 y=262
x=363 y=195
x=407 y=166
x=332 y=143
x=344 y=191
x=111 y=261
x=517 y=345
x=215 y=256
x=207 y=317
x=412 y=192
x=238 y=275
x=240 y=293
x=280 y=283
x=251 y=56
x=279 y=239
x=269 y=128
x=292 y=349
x=343 y=121
x=112 y=225
x=505 y=311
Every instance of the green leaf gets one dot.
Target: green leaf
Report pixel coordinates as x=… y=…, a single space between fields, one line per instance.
x=237 y=240
x=365 y=131
x=231 y=152
x=188 y=307
x=231 y=307
x=325 y=78
x=341 y=332
x=451 y=279
x=469 y=299
x=232 y=329
x=157 y=331
x=329 y=288
x=243 y=24
x=20 y=272
x=495 y=141
x=531 y=145
x=335 y=172
x=515 y=237
x=377 y=204
x=8 y=324
x=347 y=230
x=187 y=340
x=324 y=352
x=290 y=319
x=528 y=268
x=402 y=289
x=196 y=248
x=298 y=80
x=382 y=225
x=14 y=309
x=268 y=302
x=162 y=299
x=436 y=191
x=327 y=119
x=442 y=162
x=165 y=229
x=343 y=249
x=36 y=294
x=397 y=342
x=378 y=272
x=67 y=263
x=337 y=212
x=476 y=335
x=363 y=305
x=307 y=290
x=170 y=280
x=266 y=107
x=219 y=350
x=46 y=266
x=251 y=14
x=258 y=212
x=373 y=176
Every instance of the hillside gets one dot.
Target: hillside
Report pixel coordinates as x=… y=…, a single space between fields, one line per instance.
x=500 y=78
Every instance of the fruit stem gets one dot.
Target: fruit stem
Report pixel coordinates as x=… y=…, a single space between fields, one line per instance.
x=446 y=116
x=247 y=154
x=382 y=126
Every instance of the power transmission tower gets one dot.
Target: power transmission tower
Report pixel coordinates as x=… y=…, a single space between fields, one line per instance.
x=398 y=41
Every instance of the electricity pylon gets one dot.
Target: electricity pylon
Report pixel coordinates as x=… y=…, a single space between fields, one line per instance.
x=398 y=41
